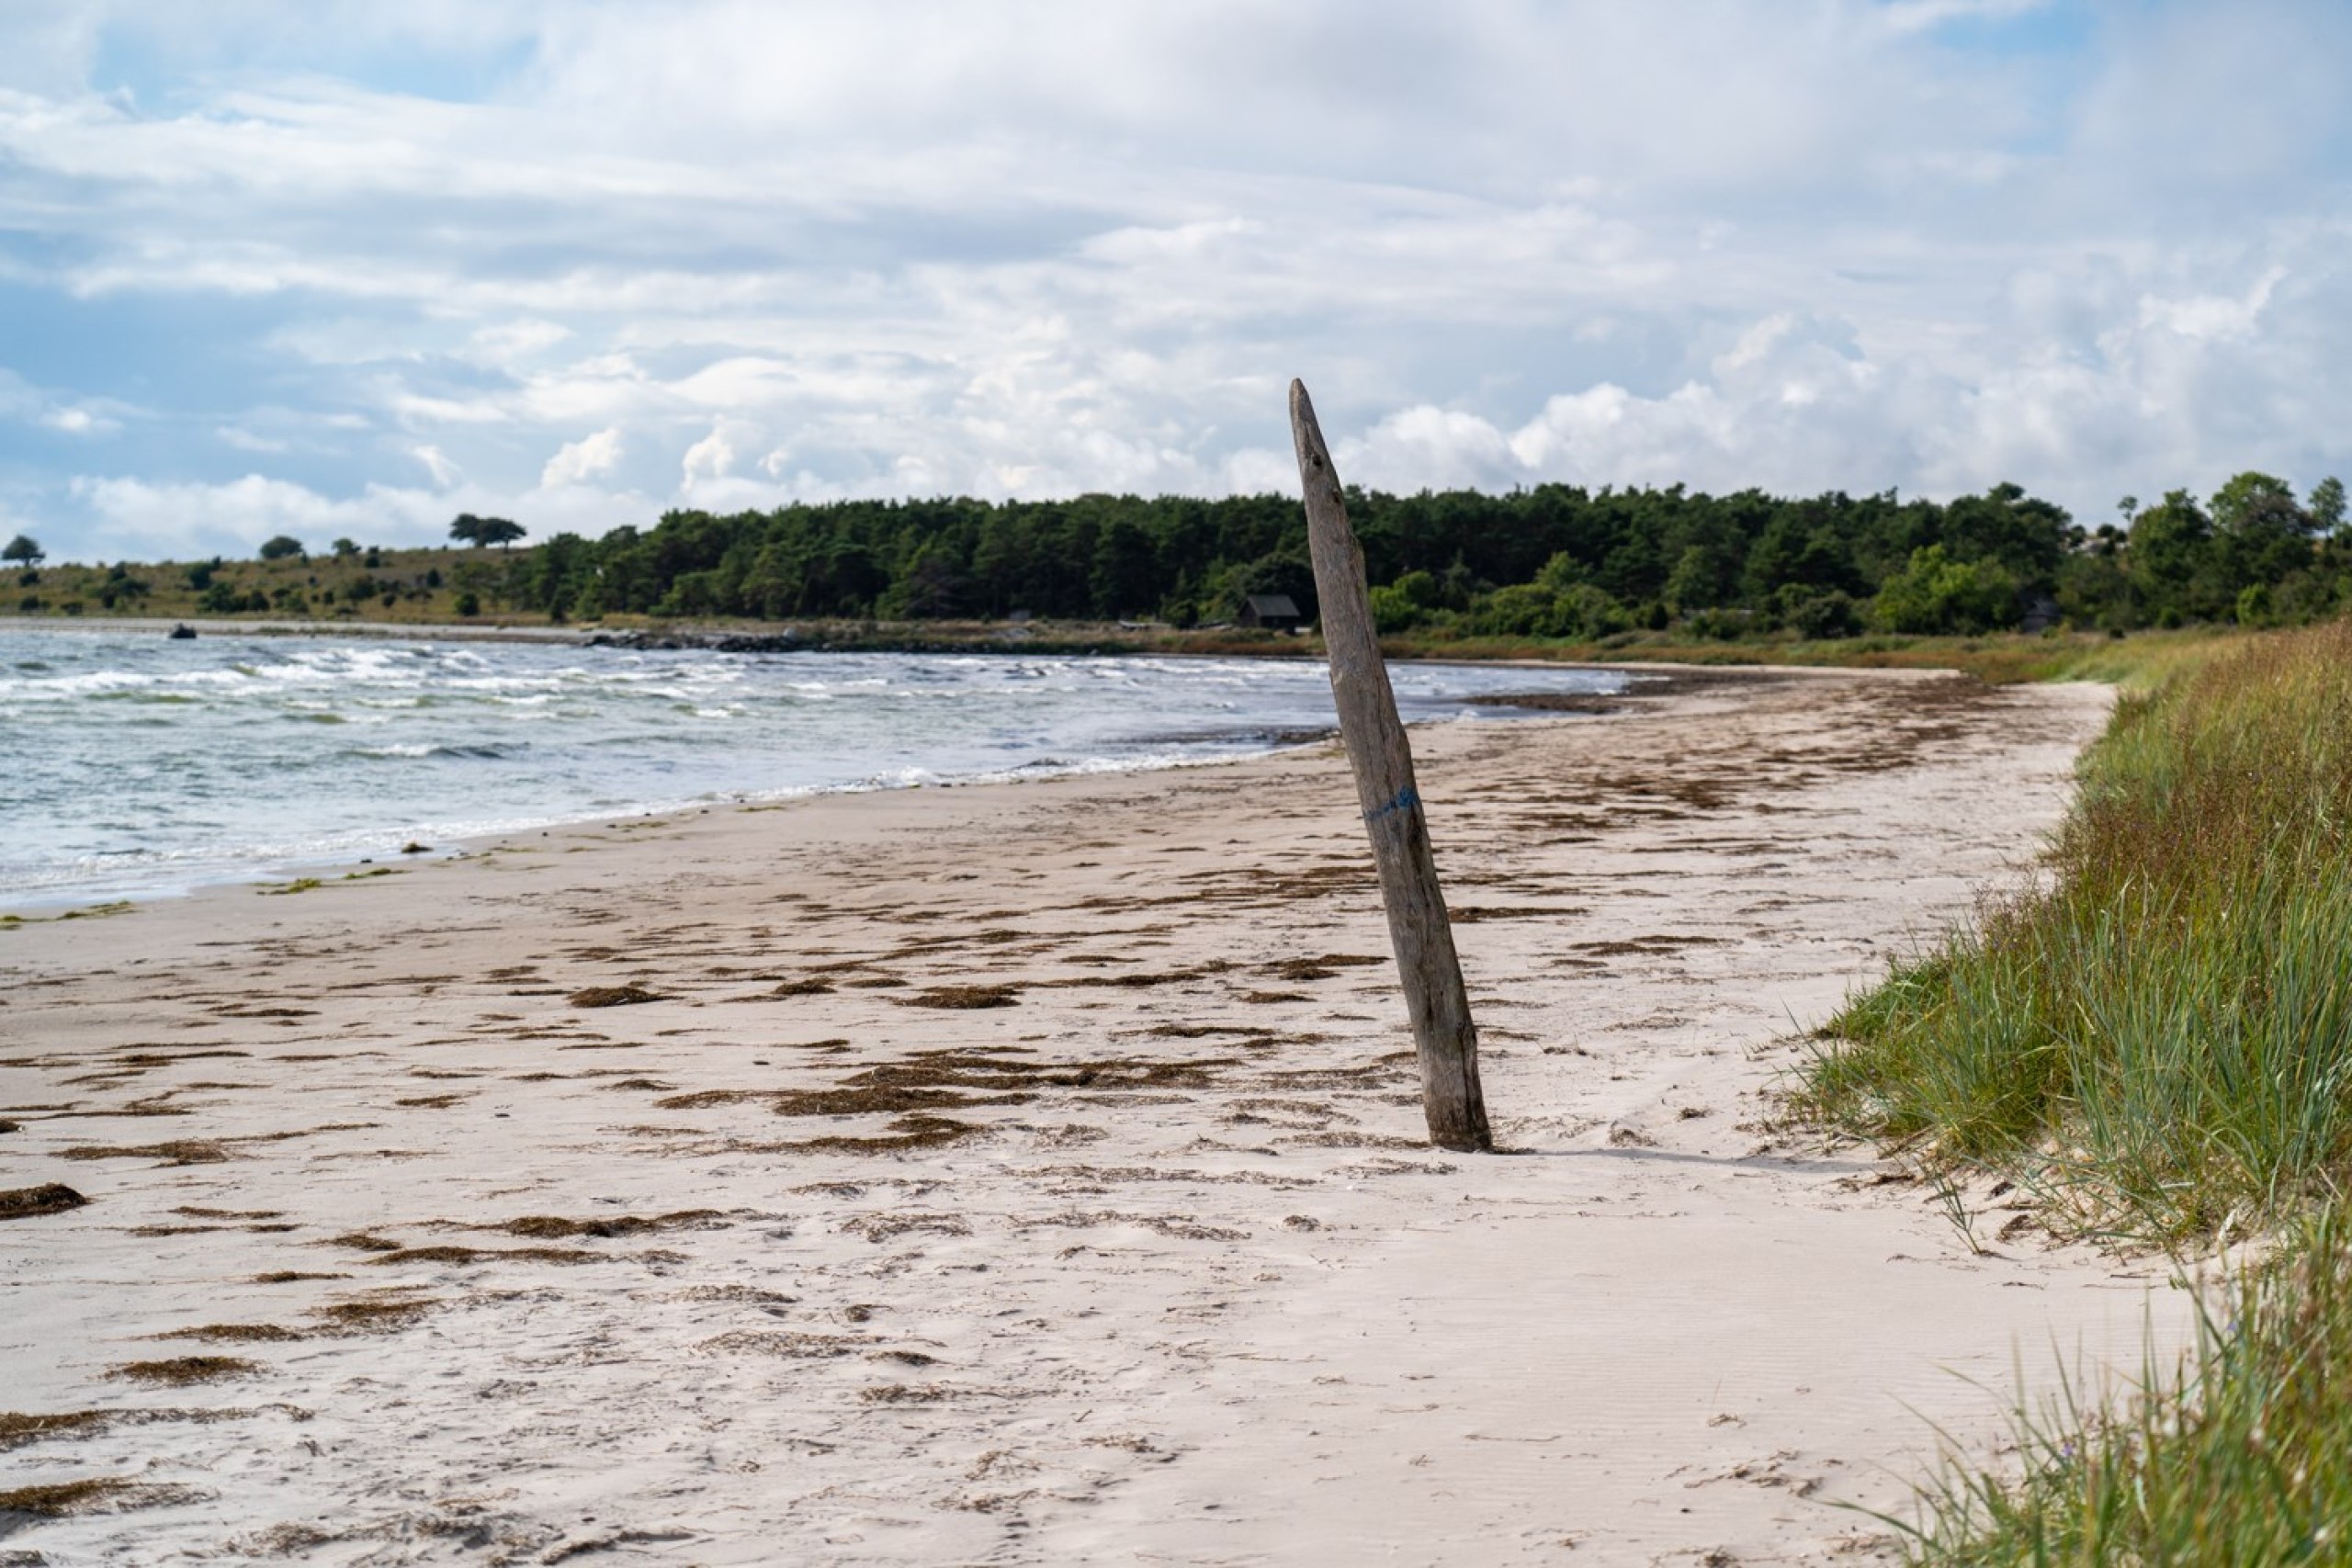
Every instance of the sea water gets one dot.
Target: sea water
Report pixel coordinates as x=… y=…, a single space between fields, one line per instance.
x=133 y=765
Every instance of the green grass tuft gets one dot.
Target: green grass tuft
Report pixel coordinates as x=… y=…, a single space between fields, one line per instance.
x=2242 y=1456
x=2160 y=1032
x=2164 y=1027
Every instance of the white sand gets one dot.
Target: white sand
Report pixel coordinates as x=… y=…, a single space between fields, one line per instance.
x=1193 y=1292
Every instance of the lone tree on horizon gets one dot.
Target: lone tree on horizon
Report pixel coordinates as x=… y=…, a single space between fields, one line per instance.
x=24 y=551
x=479 y=531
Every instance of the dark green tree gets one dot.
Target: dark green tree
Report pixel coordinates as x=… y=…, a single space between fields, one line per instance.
x=1937 y=594
x=1125 y=576
x=24 y=551
x=479 y=531
x=2264 y=535
x=281 y=546
x=929 y=588
x=2327 y=506
x=2171 y=555
x=2025 y=534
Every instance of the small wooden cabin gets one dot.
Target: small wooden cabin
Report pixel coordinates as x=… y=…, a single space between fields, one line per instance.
x=1275 y=612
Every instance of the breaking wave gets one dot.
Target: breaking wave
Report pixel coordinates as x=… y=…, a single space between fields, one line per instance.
x=141 y=765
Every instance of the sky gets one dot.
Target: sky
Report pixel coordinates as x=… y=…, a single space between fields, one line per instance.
x=348 y=269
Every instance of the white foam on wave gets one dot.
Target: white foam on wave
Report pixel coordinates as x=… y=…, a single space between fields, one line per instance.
x=257 y=737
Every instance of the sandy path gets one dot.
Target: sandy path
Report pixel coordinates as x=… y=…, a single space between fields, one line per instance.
x=1143 y=1263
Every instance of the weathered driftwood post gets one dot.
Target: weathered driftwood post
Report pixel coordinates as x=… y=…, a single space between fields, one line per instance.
x=1383 y=760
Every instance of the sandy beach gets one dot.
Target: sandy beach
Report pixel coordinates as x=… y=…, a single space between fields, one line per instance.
x=1034 y=1174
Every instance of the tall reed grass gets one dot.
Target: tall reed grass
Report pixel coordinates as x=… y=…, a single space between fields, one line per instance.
x=2163 y=1026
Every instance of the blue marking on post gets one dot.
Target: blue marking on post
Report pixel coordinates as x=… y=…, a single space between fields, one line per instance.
x=1405 y=800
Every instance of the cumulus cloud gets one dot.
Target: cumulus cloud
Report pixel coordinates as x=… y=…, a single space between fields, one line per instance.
x=128 y=518
x=710 y=463
x=837 y=250
x=133 y=518
x=577 y=462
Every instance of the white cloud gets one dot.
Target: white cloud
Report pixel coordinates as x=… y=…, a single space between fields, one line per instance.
x=714 y=457
x=592 y=457
x=45 y=410
x=78 y=422
x=244 y=440
x=515 y=341
x=830 y=249
x=1919 y=16
x=415 y=410
x=436 y=463
x=133 y=518
x=2213 y=315
x=128 y=518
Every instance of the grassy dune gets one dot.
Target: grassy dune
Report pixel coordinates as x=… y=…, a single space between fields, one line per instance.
x=2159 y=1036
x=402 y=587
x=2165 y=1026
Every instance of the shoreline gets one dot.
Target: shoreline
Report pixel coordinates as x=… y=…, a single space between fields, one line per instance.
x=1670 y=681
x=1304 y=649
x=397 y=631
x=459 y=847
x=1035 y=1174
x=1640 y=683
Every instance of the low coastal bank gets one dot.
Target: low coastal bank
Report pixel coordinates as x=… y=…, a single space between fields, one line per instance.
x=1033 y=1173
x=1998 y=658
x=399 y=631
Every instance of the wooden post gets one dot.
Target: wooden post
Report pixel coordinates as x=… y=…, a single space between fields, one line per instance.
x=1383 y=760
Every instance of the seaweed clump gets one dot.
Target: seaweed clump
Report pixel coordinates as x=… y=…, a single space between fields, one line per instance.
x=374 y=1317
x=95 y=1494
x=51 y=1198
x=906 y=1133
x=966 y=997
x=234 y=1333
x=445 y=1253
x=17 y=1427
x=178 y=1372
x=554 y=1227
x=181 y=1151
x=612 y=996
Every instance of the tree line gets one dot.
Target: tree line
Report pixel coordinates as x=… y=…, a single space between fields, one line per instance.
x=1555 y=560
x=1552 y=562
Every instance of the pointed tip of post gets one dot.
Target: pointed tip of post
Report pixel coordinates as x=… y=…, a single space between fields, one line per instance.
x=1306 y=432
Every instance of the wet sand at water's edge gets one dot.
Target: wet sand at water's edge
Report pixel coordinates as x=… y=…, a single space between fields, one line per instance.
x=1034 y=1174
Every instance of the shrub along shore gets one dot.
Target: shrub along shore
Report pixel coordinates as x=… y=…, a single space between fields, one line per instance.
x=2157 y=1038
x=1555 y=563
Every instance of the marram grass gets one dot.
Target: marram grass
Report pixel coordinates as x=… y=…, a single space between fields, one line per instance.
x=2162 y=1027
x=2160 y=1031
x=2242 y=1456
